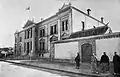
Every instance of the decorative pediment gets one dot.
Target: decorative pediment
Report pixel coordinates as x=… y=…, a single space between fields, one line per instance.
x=65 y=5
x=41 y=39
x=53 y=38
x=28 y=23
x=64 y=34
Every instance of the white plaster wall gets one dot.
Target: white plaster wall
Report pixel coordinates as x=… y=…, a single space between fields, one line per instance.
x=77 y=17
x=66 y=50
x=109 y=46
x=46 y=55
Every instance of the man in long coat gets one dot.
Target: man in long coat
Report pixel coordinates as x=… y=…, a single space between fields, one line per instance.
x=116 y=62
x=104 y=61
x=77 y=60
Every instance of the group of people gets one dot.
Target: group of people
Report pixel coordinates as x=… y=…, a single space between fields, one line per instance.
x=104 y=62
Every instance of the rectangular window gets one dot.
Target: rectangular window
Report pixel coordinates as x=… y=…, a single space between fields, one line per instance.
x=43 y=45
x=43 y=32
x=20 y=39
x=55 y=29
x=66 y=24
x=40 y=33
x=31 y=32
x=51 y=30
x=31 y=45
x=27 y=33
x=62 y=25
x=40 y=45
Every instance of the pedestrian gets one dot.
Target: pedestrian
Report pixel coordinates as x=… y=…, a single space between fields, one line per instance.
x=77 y=60
x=104 y=62
x=94 y=63
x=116 y=64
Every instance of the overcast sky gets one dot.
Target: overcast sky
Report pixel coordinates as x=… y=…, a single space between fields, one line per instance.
x=13 y=14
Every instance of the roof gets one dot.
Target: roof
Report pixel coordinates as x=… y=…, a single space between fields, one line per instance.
x=62 y=9
x=88 y=15
x=66 y=7
x=28 y=23
x=90 y=32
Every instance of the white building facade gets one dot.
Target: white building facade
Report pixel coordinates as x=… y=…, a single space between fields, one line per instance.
x=42 y=39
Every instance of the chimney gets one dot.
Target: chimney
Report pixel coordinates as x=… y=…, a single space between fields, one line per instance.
x=32 y=19
x=41 y=19
x=88 y=11
x=102 y=19
x=83 y=25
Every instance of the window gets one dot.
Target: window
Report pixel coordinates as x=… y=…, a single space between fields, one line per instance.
x=31 y=32
x=65 y=25
x=31 y=45
x=42 y=45
x=20 y=39
x=53 y=29
x=27 y=33
x=62 y=25
x=42 y=32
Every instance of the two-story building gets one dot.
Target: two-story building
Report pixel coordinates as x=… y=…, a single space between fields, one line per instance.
x=43 y=38
x=19 y=43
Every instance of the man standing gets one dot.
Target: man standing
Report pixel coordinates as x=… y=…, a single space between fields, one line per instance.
x=94 y=64
x=116 y=62
x=77 y=60
x=104 y=61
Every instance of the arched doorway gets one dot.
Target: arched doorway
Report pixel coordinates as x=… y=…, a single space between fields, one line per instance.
x=86 y=52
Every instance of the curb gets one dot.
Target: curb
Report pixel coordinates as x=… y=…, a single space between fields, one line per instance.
x=97 y=75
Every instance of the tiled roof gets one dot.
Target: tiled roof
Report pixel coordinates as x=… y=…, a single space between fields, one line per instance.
x=28 y=23
x=90 y=32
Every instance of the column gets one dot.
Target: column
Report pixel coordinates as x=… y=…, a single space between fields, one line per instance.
x=33 y=41
x=52 y=52
x=59 y=30
x=70 y=26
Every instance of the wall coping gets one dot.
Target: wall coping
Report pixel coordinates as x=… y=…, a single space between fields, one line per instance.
x=96 y=37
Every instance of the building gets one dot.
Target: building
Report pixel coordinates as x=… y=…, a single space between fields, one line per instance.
x=62 y=25
x=19 y=43
x=64 y=34
x=29 y=37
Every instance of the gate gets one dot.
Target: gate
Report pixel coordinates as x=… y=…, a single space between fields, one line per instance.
x=86 y=52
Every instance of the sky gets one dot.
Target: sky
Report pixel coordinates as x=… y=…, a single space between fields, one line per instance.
x=13 y=14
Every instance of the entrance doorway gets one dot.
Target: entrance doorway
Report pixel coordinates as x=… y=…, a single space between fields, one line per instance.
x=86 y=52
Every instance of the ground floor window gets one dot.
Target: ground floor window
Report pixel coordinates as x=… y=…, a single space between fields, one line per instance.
x=42 y=45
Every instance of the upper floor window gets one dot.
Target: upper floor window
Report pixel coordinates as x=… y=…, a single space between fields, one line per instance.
x=65 y=25
x=53 y=29
x=20 y=39
x=28 y=33
x=42 y=32
x=25 y=34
